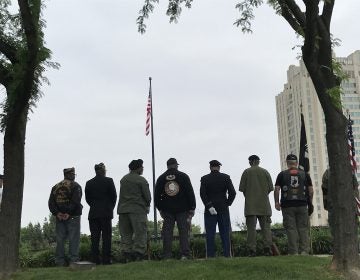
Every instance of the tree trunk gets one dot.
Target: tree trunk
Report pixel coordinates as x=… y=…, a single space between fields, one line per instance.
x=344 y=218
x=345 y=243
x=10 y=215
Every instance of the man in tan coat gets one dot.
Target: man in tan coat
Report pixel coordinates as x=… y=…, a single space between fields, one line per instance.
x=256 y=185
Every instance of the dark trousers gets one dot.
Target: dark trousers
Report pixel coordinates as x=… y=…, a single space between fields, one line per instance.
x=182 y=221
x=100 y=227
x=223 y=222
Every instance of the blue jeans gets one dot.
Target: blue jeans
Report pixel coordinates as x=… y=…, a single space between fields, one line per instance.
x=223 y=222
x=69 y=229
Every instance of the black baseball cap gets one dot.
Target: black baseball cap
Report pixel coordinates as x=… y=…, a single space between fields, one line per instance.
x=171 y=161
x=291 y=157
x=253 y=157
x=214 y=163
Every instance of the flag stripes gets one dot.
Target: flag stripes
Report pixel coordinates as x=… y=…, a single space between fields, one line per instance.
x=148 y=115
x=351 y=146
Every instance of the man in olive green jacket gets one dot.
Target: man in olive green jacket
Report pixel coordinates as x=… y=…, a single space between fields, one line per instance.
x=256 y=184
x=133 y=207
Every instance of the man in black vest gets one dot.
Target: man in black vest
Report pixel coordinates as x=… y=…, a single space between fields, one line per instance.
x=217 y=193
x=100 y=194
x=296 y=194
x=175 y=199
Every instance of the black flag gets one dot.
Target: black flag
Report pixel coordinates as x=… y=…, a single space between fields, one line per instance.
x=303 y=155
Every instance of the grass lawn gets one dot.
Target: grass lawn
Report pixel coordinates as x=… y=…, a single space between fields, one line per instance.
x=262 y=268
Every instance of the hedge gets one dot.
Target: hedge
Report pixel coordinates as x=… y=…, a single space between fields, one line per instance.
x=321 y=244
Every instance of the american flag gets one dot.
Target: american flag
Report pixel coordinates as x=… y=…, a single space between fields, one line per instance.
x=148 y=115
x=351 y=146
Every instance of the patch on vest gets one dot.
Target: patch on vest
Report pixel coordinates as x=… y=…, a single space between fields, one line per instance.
x=62 y=191
x=170 y=177
x=172 y=188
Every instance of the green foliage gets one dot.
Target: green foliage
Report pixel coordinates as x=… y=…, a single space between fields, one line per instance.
x=246 y=9
x=173 y=11
x=335 y=96
x=32 y=236
x=41 y=253
x=321 y=241
x=341 y=75
x=24 y=55
x=48 y=230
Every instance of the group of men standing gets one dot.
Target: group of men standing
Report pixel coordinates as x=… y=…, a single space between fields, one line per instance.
x=175 y=199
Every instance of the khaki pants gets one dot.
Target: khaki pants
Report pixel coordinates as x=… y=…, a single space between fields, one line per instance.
x=296 y=223
x=264 y=222
x=133 y=232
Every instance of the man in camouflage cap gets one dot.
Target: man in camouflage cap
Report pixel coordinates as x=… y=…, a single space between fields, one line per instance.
x=65 y=205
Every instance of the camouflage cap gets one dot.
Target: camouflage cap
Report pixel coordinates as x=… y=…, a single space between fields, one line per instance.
x=69 y=170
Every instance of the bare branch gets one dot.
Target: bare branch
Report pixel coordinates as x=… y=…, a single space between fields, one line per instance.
x=296 y=12
x=30 y=28
x=311 y=31
x=327 y=12
x=291 y=19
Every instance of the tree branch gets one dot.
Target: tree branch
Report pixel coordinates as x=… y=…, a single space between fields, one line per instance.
x=310 y=48
x=29 y=26
x=327 y=13
x=8 y=50
x=296 y=11
x=289 y=17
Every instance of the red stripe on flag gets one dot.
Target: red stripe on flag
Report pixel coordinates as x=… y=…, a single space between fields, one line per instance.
x=351 y=146
x=148 y=116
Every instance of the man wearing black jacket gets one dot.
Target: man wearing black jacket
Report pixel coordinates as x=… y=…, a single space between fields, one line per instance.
x=174 y=198
x=217 y=193
x=65 y=205
x=100 y=194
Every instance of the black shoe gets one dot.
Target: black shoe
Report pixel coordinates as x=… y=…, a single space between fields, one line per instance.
x=138 y=257
x=267 y=252
x=128 y=257
x=252 y=254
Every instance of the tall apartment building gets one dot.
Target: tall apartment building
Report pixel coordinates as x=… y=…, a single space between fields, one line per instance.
x=299 y=90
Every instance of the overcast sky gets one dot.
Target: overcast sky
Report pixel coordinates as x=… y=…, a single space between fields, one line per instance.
x=214 y=93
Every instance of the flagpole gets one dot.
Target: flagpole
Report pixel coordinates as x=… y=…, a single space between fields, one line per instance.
x=153 y=158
